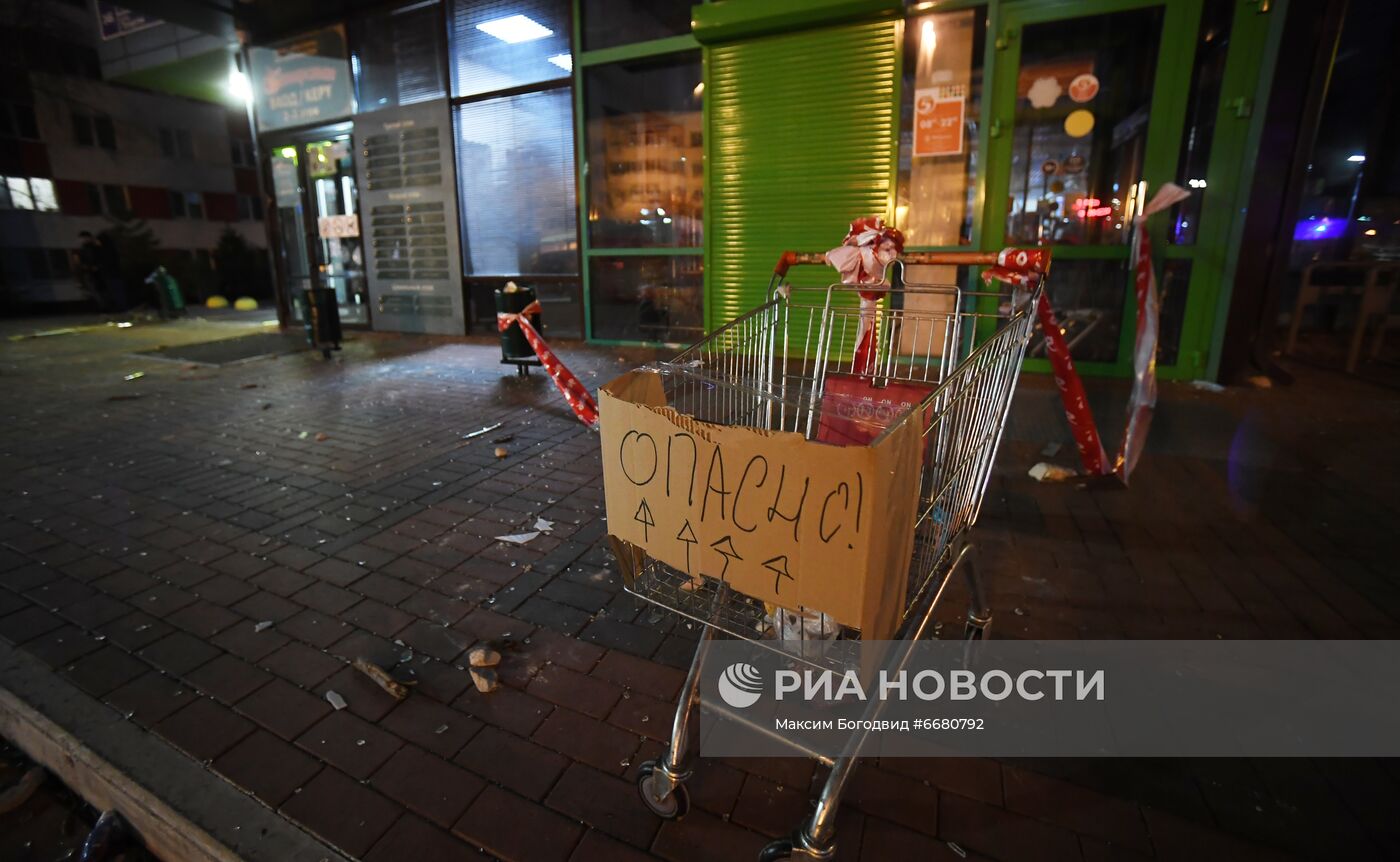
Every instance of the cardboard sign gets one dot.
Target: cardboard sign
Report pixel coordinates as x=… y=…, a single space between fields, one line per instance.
x=938 y=121
x=792 y=522
x=338 y=226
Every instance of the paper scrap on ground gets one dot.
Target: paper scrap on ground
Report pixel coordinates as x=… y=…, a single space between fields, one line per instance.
x=1044 y=472
x=544 y=526
x=336 y=700
x=519 y=538
x=1207 y=386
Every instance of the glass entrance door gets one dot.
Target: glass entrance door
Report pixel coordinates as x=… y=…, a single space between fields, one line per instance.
x=333 y=204
x=1087 y=124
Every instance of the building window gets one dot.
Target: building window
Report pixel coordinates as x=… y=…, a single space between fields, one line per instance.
x=498 y=45
x=241 y=152
x=28 y=193
x=938 y=120
x=644 y=138
x=249 y=208
x=17 y=121
x=176 y=144
x=647 y=298
x=116 y=204
x=609 y=23
x=94 y=130
x=186 y=205
x=515 y=173
x=398 y=58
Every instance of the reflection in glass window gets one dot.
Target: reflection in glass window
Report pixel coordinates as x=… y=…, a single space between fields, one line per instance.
x=647 y=298
x=646 y=176
x=499 y=45
x=1087 y=296
x=1206 y=80
x=608 y=23
x=398 y=57
x=515 y=175
x=1083 y=98
x=938 y=127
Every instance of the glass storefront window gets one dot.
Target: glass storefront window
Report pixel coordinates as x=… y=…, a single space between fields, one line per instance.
x=515 y=175
x=503 y=44
x=1206 y=79
x=1088 y=299
x=646 y=174
x=647 y=298
x=942 y=97
x=1083 y=98
x=608 y=23
x=398 y=57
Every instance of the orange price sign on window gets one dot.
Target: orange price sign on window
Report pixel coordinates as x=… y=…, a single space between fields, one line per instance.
x=938 y=121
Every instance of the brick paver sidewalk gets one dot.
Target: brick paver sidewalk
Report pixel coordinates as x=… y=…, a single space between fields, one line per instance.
x=144 y=538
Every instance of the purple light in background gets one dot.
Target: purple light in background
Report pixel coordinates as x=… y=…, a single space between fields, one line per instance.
x=1323 y=228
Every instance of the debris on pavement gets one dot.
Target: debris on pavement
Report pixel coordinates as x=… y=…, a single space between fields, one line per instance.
x=501 y=452
x=505 y=438
x=381 y=678
x=135 y=375
x=487 y=430
x=335 y=700
x=544 y=526
x=15 y=796
x=485 y=679
x=1046 y=472
x=1260 y=381
x=962 y=854
x=484 y=657
x=262 y=626
x=248 y=386
x=322 y=436
x=519 y=538
x=1207 y=386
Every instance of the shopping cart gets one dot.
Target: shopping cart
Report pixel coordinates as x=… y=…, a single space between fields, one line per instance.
x=771 y=369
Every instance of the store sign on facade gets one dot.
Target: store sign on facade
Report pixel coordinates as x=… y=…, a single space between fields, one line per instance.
x=301 y=81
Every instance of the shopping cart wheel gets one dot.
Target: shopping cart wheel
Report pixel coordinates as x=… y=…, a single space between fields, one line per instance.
x=977 y=627
x=776 y=851
x=676 y=803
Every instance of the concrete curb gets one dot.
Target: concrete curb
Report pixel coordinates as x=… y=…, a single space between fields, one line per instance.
x=183 y=812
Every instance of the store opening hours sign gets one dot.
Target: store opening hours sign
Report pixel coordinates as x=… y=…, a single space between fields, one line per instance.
x=938 y=121
x=793 y=522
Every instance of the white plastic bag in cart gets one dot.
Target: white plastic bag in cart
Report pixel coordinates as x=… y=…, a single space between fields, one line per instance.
x=805 y=625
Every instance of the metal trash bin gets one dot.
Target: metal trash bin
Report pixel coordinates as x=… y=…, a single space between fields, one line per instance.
x=168 y=297
x=321 y=316
x=515 y=348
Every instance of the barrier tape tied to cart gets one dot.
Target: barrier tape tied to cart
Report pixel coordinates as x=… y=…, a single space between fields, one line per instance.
x=1021 y=267
x=584 y=407
x=870 y=246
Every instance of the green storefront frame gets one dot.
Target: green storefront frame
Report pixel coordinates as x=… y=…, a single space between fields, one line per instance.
x=1255 y=28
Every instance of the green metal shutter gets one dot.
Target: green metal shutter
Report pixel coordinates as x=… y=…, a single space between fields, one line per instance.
x=802 y=139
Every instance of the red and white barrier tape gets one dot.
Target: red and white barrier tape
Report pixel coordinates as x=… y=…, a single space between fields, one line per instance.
x=584 y=407
x=869 y=247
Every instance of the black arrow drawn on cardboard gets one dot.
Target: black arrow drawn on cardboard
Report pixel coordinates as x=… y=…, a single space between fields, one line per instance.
x=725 y=547
x=643 y=517
x=687 y=535
x=778 y=565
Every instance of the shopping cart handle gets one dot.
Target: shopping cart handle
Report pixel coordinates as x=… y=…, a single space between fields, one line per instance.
x=914 y=258
x=795 y=258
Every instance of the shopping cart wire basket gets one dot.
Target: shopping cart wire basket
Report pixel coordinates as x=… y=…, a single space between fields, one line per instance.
x=952 y=354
